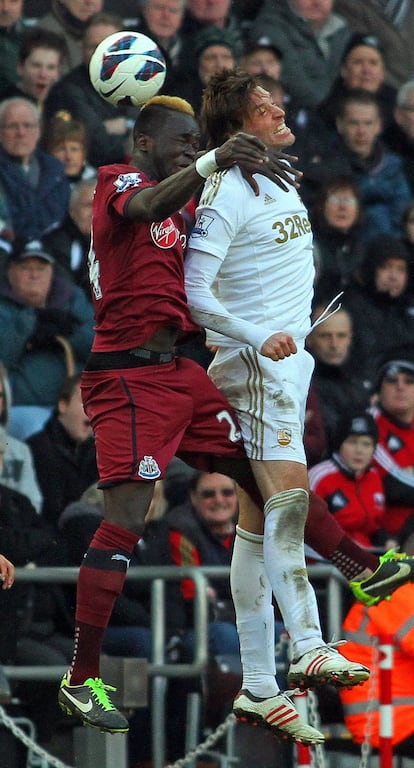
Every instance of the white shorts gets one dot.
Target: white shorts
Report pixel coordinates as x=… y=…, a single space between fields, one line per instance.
x=269 y=398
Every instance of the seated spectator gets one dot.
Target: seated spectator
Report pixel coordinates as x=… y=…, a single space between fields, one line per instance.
x=311 y=38
x=70 y=18
x=350 y=484
x=260 y=57
x=75 y=98
x=356 y=150
x=363 y=627
x=39 y=625
x=46 y=325
x=41 y=58
x=393 y=24
x=36 y=188
x=362 y=66
x=201 y=532
x=381 y=304
x=18 y=469
x=213 y=51
x=394 y=455
x=12 y=29
x=400 y=134
x=337 y=218
x=200 y=15
x=407 y=229
x=68 y=141
x=176 y=483
x=64 y=452
x=336 y=378
x=70 y=242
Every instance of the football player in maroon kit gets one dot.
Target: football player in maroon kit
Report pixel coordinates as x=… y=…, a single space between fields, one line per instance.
x=144 y=403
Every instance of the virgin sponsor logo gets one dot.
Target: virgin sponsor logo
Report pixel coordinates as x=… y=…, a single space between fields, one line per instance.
x=164 y=233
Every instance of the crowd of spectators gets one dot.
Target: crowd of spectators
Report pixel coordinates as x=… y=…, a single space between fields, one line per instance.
x=344 y=72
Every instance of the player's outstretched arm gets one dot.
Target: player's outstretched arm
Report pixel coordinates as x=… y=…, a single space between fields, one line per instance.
x=158 y=202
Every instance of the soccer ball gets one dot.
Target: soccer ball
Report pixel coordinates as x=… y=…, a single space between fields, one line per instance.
x=127 y=68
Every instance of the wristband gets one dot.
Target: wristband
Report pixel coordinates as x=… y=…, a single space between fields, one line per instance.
x=206 y=164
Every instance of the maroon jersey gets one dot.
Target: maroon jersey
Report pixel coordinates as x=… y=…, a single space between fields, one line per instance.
x=136 y=269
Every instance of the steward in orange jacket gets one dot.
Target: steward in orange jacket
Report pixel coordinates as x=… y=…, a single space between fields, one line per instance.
x=362 y=627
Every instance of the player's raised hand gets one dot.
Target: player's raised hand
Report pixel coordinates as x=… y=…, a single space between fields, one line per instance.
x=6 y=572
x=242 y=148
x=252 y=156
x=278 y=346
x=277 y=168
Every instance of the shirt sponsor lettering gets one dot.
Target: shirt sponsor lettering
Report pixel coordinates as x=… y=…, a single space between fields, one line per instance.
x=164 y=233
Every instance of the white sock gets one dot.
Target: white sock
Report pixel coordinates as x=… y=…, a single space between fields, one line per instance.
x=252 y=597
x=283 y=549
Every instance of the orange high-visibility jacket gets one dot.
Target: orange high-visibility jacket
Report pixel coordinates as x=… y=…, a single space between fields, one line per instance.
x=362 y=703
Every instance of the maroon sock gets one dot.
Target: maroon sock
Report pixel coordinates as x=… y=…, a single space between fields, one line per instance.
x=101 y=579
x=325 y=535
x=351 y=559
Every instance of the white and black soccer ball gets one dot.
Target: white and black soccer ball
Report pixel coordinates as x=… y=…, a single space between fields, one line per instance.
x=127 y=68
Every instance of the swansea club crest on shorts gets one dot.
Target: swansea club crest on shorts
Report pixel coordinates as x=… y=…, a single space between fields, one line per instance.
x=148 y=468
x=284 y=436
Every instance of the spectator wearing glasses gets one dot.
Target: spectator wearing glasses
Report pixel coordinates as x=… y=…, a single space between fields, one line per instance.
x=201 y=532
x=36 y=188
x=337 y=219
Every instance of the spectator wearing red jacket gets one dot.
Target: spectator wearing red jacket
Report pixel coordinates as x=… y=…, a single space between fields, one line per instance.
x=394 y=455
x=350 y=484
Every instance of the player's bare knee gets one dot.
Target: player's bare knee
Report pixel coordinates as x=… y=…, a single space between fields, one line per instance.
x=127 y=504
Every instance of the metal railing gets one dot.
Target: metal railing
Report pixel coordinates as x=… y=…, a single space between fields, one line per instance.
x=157 y=669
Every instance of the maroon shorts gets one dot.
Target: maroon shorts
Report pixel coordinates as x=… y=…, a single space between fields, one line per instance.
x=143 y=416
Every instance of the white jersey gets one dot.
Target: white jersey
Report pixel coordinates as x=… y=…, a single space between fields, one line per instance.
x=249 y=267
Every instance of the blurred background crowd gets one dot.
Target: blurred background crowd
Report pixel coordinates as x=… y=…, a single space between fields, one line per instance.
x=343 y=70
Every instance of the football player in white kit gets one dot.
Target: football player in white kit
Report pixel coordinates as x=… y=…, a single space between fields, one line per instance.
x=249 y=281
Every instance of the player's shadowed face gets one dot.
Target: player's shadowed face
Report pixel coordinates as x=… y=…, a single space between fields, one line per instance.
x=266 y=120
x=175 y=145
